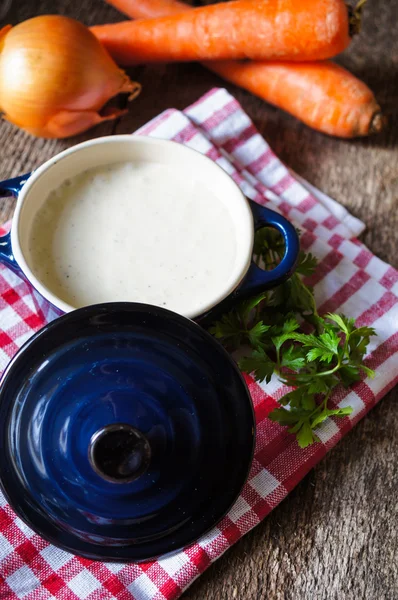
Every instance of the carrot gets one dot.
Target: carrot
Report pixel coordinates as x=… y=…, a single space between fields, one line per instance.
x=258 y=29
x=321 y=94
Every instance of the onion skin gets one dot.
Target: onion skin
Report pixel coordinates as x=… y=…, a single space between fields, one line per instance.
x=55 y=77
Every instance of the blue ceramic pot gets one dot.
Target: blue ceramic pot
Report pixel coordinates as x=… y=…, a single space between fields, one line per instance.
x=126 y=432
x=247 y=278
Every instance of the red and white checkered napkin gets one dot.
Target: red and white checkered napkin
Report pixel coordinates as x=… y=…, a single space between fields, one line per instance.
x=349 y=279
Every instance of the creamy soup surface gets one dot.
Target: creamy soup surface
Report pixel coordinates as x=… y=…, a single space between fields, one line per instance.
x=133 y=232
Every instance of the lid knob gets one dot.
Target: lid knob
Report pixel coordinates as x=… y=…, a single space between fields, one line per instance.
x=119 y=453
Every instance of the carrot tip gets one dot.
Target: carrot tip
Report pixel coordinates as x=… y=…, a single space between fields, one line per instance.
x=377 y=123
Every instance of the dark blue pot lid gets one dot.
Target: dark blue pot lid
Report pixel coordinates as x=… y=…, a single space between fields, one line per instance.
x=126 y=431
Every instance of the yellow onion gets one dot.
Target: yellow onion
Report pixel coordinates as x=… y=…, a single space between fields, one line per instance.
x=55 y=77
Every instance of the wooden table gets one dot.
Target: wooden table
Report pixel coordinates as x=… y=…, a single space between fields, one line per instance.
x=335 y=536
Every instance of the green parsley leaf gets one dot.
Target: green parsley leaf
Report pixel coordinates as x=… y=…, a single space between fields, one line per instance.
x=307 y=264
x=346 y=325
x=320 y=353
x=322 y=385
x=369 y=372
x=289 y=325
x=326 y=413
x=269 y=245
x=293 y=359
x=327 y=342
x=259 y=364
x=349 y=374
x=283 y=416
x=293 y=416
x=305 y=435
x=256 y=333
x=247 y=306
x=228 y=330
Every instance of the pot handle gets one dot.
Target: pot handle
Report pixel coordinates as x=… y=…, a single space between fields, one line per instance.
x=257 y=280
x=10 y=187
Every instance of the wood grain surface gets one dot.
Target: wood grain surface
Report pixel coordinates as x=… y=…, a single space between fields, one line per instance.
x=335 y=536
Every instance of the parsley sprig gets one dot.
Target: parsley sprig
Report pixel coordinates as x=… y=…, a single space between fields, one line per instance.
x=286 y=336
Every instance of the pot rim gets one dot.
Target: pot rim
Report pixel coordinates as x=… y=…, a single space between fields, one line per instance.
x=243 y=260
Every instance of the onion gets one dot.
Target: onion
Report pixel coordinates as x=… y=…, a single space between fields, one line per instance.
x=55 y=77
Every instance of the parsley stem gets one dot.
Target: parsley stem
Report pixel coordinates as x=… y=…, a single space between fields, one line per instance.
x=257 y=312
x=330 y=372
x=345 y=348
x=321 y=407
x=325 y=401
x=278 y=361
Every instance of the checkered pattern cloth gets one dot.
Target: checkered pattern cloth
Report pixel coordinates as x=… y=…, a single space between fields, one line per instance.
x=349 y=279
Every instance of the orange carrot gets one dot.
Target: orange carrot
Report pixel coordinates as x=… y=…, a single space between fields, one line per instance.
x=258 y=29
x=321 y=94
